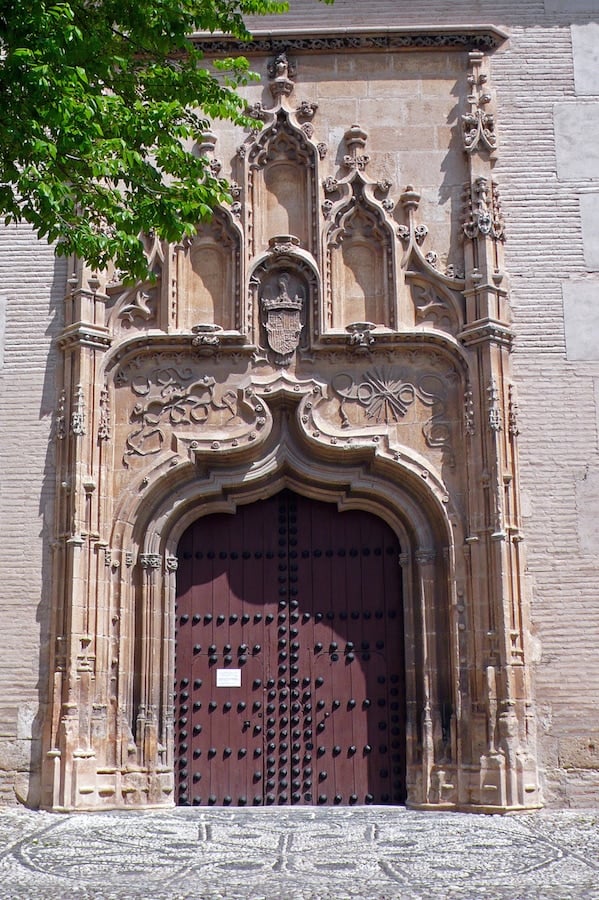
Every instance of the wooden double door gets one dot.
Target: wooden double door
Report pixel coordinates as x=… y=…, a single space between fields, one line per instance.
x=289 y=674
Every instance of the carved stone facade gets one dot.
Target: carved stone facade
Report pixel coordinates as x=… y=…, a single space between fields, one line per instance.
x=320 y=335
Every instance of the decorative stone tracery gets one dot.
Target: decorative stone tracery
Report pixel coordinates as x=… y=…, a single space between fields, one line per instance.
x=305 y=338
x=359 y=244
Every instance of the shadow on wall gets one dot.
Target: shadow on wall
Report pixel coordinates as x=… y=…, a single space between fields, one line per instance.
x=47 y=410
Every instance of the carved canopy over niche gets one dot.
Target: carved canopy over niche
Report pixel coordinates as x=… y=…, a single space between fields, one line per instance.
x=369 y=275
x=280 y=167
x=359 y=244
x=281 y=182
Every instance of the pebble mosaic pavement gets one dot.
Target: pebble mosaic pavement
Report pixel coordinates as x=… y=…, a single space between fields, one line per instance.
x=374 y=853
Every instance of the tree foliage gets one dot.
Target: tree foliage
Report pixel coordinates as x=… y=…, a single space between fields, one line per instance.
x=101 y=102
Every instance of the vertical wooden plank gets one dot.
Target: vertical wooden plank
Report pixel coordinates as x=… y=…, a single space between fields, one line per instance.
x=307 y=628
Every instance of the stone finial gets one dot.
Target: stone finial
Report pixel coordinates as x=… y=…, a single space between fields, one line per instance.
x=355 y=140
x=280 y=72
x=478 y=124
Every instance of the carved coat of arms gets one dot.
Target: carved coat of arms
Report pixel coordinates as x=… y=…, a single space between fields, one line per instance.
x=283 y=321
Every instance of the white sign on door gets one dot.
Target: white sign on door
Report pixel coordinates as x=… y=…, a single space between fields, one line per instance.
x=228 y=677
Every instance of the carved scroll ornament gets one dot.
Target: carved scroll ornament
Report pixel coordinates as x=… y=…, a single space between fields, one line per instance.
x=173 y=397
x=384 y=396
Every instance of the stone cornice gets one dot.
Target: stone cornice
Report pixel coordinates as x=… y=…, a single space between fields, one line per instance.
x=84 y=335
x=356 y=40
x=487 y=330
x=178 y=342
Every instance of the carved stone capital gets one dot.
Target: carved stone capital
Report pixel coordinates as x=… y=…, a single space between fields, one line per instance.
x=84 y=336
x=360 y=334
x=425 y=556
x=206 y=335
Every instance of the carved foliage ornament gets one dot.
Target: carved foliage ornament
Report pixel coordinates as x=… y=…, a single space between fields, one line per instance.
x=414 y=235
x=483 y=215
x=513 y=412
x=61 y=425
x=484 y=39
x=139 y=303
x=494 y=406
x=478 y=124
x=174 y=397
x=206 y=335
x=150 y=560
x=78 y=414
x=104 y=431
x=384 y=395
x=431 y=305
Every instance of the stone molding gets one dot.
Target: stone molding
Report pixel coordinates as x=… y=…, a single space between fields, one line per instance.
x=358 y=40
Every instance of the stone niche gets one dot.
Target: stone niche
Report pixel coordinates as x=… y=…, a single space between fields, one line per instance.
x=281 y=191
x=280 y=172
x=359 y=273
x=208 y=276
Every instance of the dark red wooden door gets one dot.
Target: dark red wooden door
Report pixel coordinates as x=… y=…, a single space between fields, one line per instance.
x=289 y=681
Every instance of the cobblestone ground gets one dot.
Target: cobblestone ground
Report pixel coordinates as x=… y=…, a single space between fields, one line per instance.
x=298 y=854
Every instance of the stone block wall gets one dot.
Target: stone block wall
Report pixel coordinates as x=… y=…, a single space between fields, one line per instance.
x=548 y=170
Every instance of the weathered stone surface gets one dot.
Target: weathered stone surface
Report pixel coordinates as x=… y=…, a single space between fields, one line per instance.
x=580 y=752
x=588 y=503
x=572 y=6
x=3 y=304
x=585 y=39
x=572 y=121
x=581 y=318
x=589 y=211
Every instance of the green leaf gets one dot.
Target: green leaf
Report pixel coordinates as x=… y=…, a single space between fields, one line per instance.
x=99 y=102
